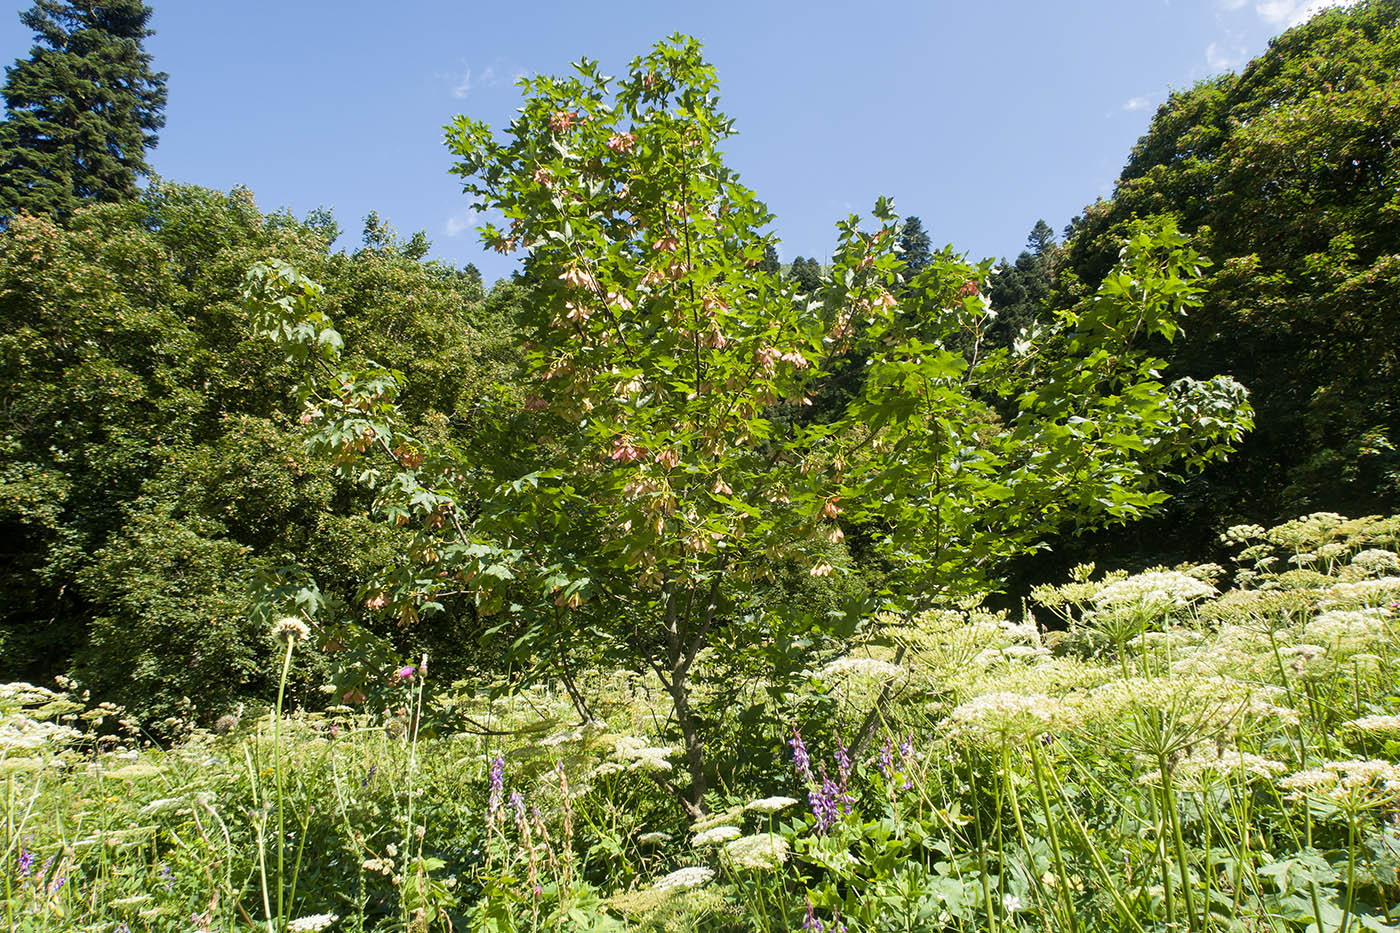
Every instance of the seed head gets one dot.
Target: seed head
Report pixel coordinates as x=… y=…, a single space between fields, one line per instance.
x=290 y=630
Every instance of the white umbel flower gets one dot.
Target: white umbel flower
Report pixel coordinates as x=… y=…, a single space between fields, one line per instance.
x=769 y=804
x=715 y=836
x=1154 y=591
x=683 y=878
x=312 y=924
x=760 y=852
x=1005 y=715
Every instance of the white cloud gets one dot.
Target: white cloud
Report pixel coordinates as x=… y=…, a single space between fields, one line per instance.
x=1141 y=102
x=1281 y=14
x=1225 y=57
x=460 y=83
x=457 y=224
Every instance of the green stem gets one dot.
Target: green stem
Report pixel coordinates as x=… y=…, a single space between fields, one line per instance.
x=981 y=851
x=277 y=778
x=1067 y=895
x=1169 y=803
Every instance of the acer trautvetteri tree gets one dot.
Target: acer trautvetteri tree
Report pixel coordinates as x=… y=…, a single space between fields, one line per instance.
x=81 y=111
x=670 y=478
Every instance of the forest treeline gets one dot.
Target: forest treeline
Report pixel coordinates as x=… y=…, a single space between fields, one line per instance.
x=154 y=475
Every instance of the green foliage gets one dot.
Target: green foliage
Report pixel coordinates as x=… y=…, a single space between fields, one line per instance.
x=1234 y=763
x=1021 y=291
x=670 y=482
x=152 y=469
x=81 y=111
x=806 y=275
x=1288 y=172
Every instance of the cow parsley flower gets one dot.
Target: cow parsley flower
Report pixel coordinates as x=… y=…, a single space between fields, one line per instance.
x=1157 y=591
x=759 y=852
x=770 y=804
x=1376 y=561
x=715 y=836
x=313 y=923
x=1390 y=724
x=1006 y=716
x=683 y=878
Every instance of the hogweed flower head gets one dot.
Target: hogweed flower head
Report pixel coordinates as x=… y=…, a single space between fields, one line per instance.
x=715 y=835
x=312 y=924
x=1005 y=716
x=683 y=878
x=289 y=630
x=759 y=852
x=770 y=804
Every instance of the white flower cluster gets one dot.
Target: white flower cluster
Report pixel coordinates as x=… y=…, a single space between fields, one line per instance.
x=683 y=878
x=312 y=924
x=1346 y=625
x=634 y=754
x=1357 y=782
x=1307 y=531
x=1239 y=534
x=1362 y=592
x=1389 y=724
x=869 y=668
x=1377 y=561
x=21 y=732
x=1006 y=715
x=770 y=804
x=714 y=836
x=760 y=852
x=1154 y=591
x=653 y=838
x=1201 y=769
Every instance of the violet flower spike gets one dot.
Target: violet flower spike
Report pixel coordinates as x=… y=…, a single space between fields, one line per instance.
x=887 y=759
x=843 y=761
x=498 y=780
x=800 y=759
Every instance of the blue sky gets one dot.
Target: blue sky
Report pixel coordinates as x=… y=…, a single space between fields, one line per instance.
x=978 y=117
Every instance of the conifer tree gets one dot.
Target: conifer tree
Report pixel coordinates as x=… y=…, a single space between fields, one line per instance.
x=81 y=111
x=769 y=262
x=917 y=248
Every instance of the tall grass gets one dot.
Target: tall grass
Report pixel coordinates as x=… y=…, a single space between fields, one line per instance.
x=1161 y=756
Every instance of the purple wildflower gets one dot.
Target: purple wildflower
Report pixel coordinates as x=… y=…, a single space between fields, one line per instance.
x=26 y=862
x=887 y=760
x=843 y=761
x=829 y=802
x=517 y=803
x=498 y=782
x=906 y=753
x=800 y=759
x=811 y=924
x=167 y=876
x=405 y=672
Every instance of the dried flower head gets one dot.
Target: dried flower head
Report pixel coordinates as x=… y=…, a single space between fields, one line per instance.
x=290 y=630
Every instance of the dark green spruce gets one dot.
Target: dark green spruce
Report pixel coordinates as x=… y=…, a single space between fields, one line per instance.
x=81 y=110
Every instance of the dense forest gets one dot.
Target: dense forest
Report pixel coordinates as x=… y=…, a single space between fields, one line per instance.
x=317 y=552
